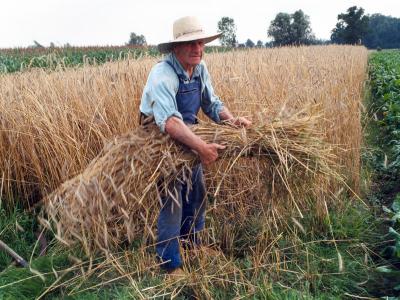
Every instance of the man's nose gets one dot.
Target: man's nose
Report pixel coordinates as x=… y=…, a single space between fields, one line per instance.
x=197 y=46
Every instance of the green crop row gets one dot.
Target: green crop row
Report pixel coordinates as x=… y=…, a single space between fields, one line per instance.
x=385 y=107
x=20 y=59
x=14 y=60
x=385 y=84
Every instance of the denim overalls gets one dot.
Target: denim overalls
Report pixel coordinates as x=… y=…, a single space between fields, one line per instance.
x=181 y=223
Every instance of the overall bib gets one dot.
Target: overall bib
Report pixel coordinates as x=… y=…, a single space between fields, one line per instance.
x=180 y=223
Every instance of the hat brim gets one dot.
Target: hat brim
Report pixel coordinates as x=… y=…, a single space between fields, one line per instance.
x=168 y=46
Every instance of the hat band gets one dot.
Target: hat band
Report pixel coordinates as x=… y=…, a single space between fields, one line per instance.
x=188 y=32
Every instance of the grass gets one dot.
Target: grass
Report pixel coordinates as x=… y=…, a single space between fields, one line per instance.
x=311 y=268
x=17 y=230
x=318 y=269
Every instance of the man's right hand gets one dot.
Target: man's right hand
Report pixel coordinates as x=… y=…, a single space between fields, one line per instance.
x=178 y=130
x=209 y=153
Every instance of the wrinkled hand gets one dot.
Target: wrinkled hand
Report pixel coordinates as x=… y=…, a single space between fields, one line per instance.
x=240 y=122
x=209 y=153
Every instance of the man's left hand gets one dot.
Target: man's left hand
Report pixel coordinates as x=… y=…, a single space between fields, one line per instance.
x=240 y=122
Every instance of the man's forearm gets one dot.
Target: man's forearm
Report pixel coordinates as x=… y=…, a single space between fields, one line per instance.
x=225 y=114
x=181 y=133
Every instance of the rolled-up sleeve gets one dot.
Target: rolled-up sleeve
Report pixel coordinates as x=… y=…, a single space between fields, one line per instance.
x=210 y=104
x=158 y=98
x=164 y=104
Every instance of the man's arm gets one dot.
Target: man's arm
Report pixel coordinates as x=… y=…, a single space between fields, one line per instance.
x=178 y=130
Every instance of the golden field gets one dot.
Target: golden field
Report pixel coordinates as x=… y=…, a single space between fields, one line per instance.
x=53 y=124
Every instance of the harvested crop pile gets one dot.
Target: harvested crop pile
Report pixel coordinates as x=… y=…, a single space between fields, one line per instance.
x=115 y=198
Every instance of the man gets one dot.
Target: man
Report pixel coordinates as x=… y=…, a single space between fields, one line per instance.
x=175 y=91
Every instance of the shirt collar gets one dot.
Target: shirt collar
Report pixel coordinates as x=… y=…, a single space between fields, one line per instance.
x=178 y=67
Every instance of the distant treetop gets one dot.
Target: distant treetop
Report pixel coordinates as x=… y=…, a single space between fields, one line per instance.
x=291 y=29
x=136 y=40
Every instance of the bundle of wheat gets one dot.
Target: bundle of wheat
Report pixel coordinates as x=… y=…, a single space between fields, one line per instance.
x=114 y=199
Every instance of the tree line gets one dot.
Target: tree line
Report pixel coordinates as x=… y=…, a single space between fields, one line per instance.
x=353 y=27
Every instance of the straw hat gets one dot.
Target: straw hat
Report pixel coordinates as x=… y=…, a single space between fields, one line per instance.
x=187 y=29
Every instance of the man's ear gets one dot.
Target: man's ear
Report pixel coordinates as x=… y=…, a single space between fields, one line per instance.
x=174 y=46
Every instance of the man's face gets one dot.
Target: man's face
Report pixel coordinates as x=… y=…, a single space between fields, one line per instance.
x=189 y=54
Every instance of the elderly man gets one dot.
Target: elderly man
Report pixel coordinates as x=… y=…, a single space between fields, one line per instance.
x=175 y=91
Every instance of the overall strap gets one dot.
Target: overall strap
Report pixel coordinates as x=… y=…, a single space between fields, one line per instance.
x=188 y=97
x=180 y=76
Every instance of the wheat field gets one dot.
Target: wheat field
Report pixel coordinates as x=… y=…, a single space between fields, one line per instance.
x=53 y=124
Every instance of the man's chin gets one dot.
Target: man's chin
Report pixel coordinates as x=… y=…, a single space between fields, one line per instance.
x=196 y=61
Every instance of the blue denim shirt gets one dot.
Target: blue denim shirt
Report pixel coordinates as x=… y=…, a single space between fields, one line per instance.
x=158 y=98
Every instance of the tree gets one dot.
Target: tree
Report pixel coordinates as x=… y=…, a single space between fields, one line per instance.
x=136 y=40
x=260 y=44
x=384 y=32
x=291 y=29
x=37 y=45
x=249 y=43
x=351 y=28
x=301 y=29
x=269 y=44
x=227 y=27
x=279 y=29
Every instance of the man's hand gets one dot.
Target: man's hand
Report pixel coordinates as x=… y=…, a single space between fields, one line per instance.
x=227 y=116
x=240 y=122
x=178 y=130
x=209 y=153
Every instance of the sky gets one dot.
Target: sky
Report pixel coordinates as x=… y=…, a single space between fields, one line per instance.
x=110 y=22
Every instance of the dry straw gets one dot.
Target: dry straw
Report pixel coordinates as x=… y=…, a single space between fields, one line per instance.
x=54 y=123
x=114 y=200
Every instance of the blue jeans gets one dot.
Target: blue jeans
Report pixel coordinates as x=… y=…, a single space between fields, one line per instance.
x=181 y=222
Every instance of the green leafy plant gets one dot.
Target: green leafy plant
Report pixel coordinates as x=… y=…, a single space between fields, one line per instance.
x=384 y=160
x=392 y=251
